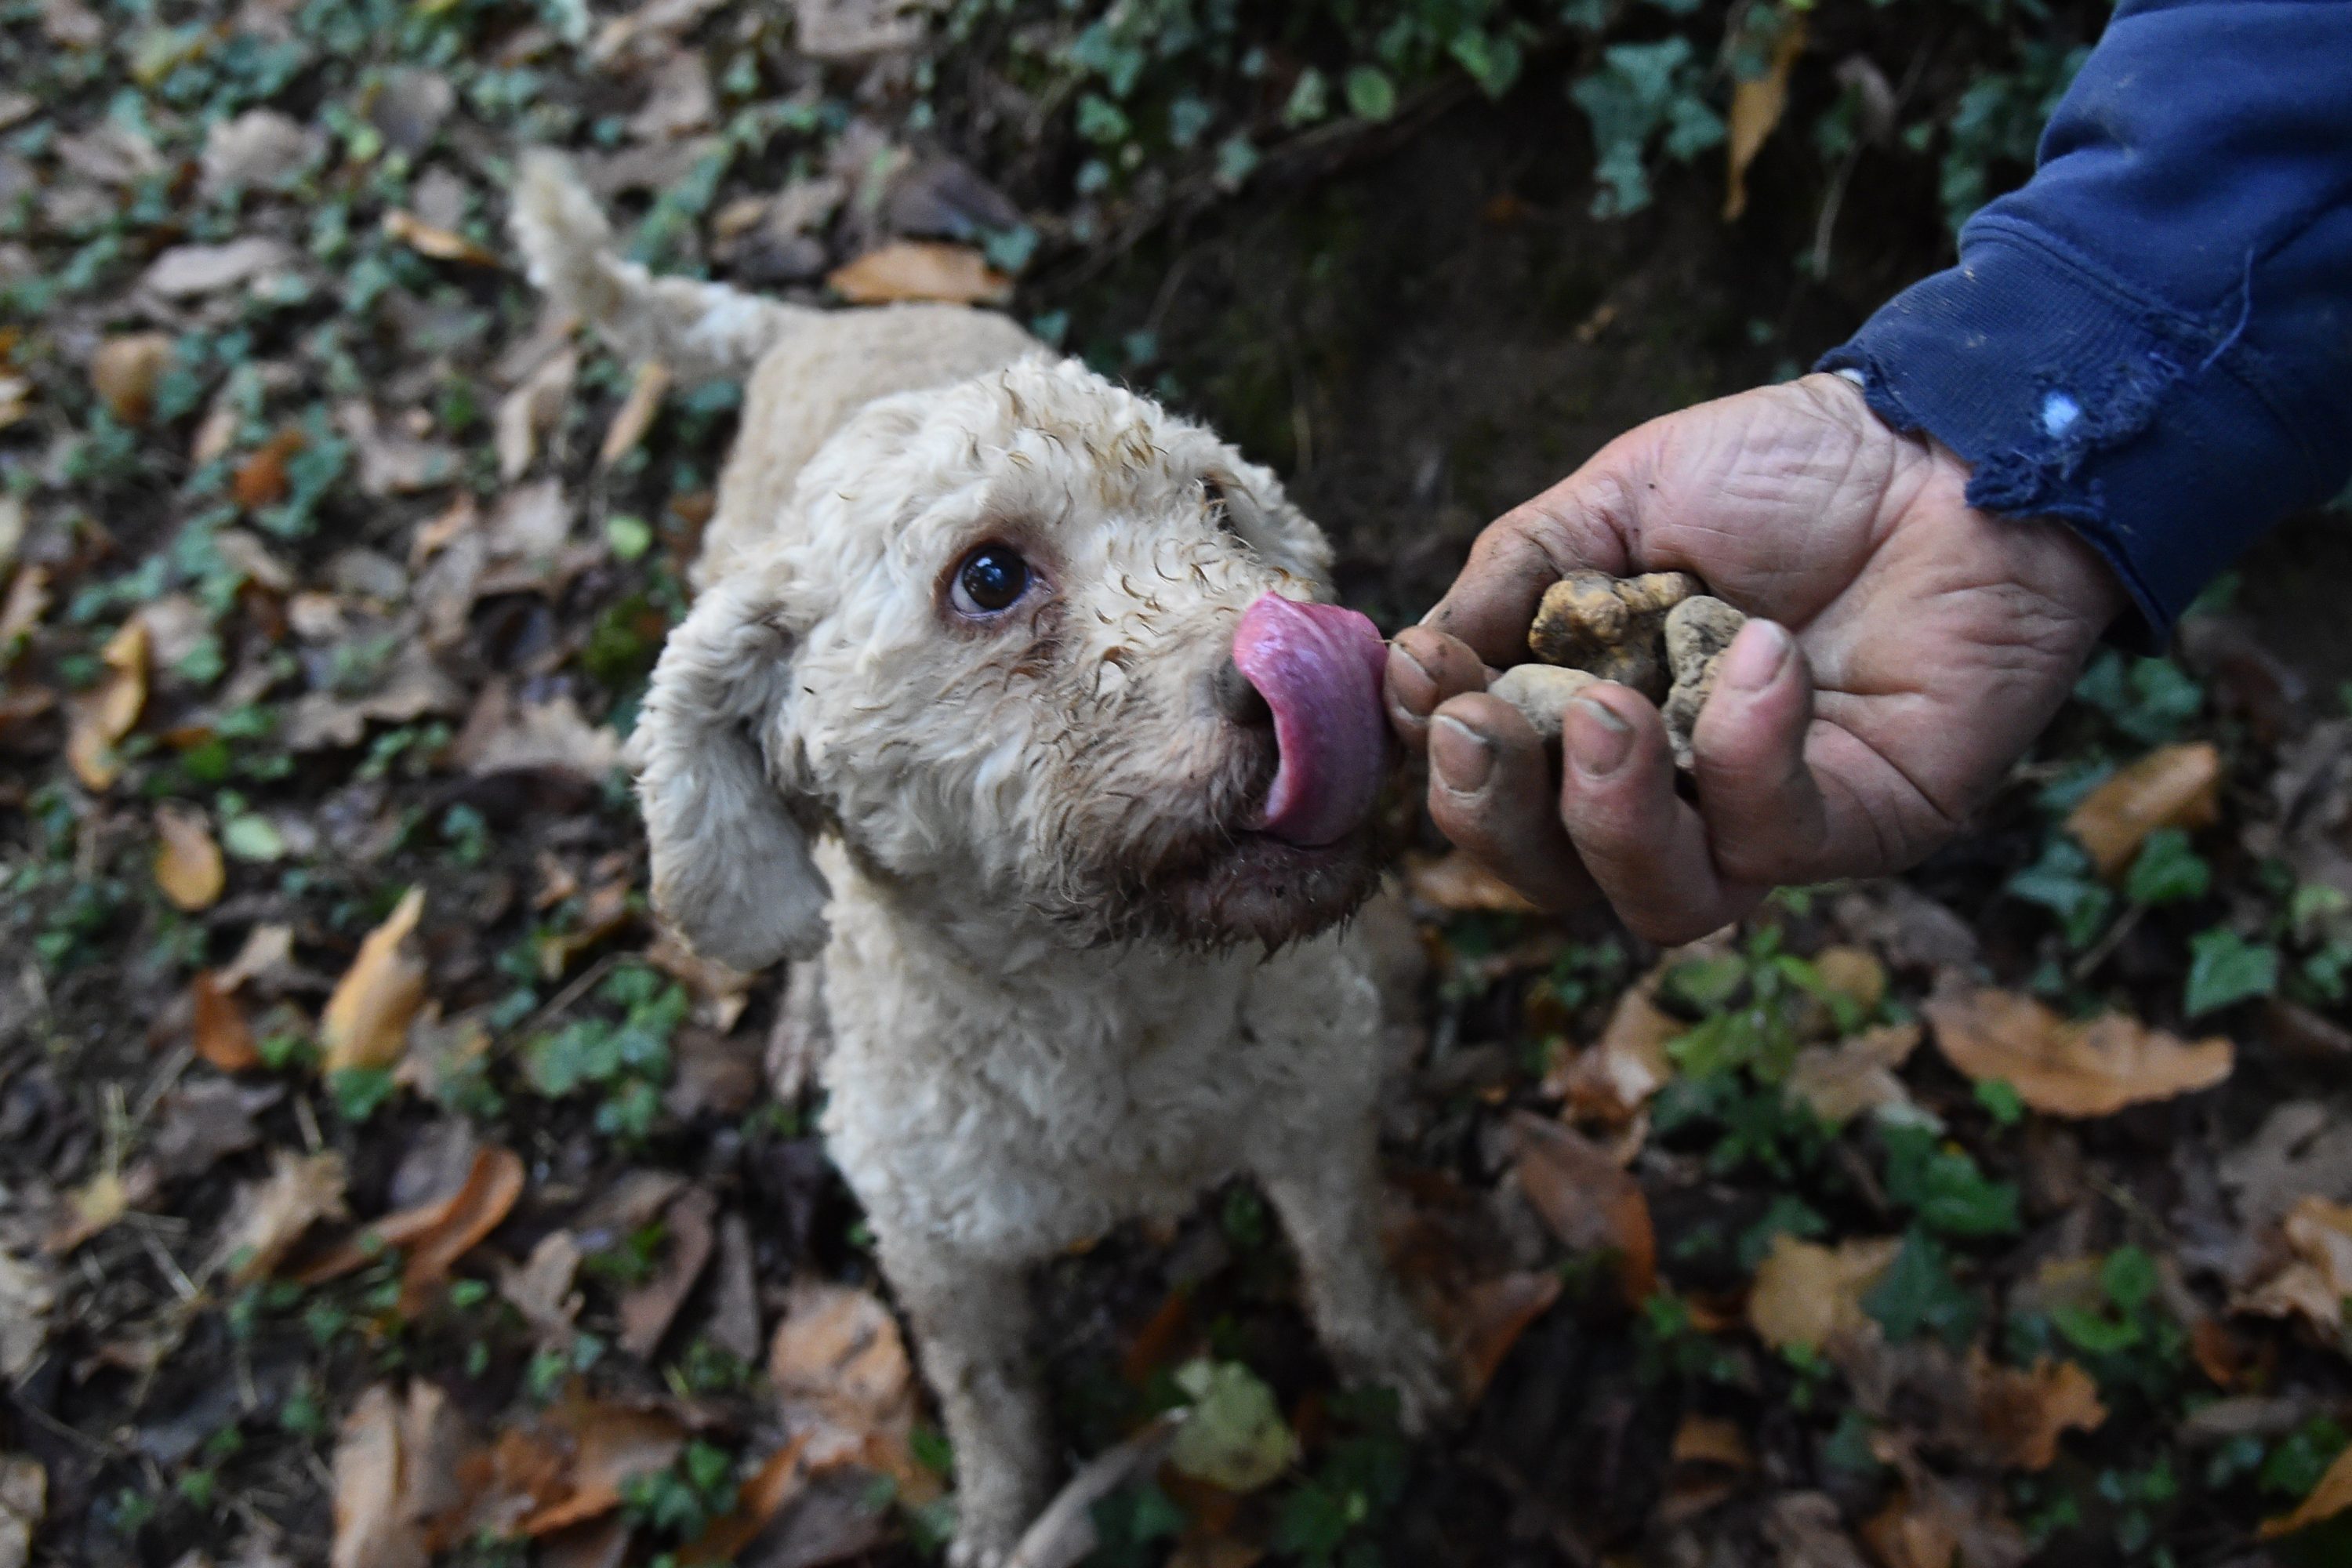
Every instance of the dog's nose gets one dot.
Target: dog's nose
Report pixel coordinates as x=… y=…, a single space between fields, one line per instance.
x=1237 y=699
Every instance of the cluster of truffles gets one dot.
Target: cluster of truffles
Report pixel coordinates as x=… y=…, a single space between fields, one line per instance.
x=1661 y=633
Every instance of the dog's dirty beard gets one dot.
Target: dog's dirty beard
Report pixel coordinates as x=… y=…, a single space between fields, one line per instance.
x=1150 y=848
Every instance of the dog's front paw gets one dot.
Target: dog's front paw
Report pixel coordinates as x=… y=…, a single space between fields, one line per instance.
x=989 y=1522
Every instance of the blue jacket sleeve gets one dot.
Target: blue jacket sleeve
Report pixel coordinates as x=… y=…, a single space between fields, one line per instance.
x=2152 y=339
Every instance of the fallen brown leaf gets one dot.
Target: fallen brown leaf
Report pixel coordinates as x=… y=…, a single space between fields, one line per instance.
x=268 y=1217
x=372 y=1528
x=533 y=408
x=779 y=1478
x=28 y=1291
x=185 y=271
x=99 y=719
x=188 y=867
x=2331 y=1497
x=220 y=1034
x=1806 y=1295
x=96 y=1205
x=2022 y=1415
x=541 y=1289
x=2066 y=1068
x=478 y=1207
x=1456 y=884
x=124 y=370
x=611 y=1446
x=648 y=1311
x=2172 y=786
x=1711 y=1440
x=1587 y=1199
x=1065 y=1532
x=261 y=480
x=1756 y=108
x=920 y=270
x=1804 y=1531
x=1840 y=1082
x=366 y=1021
x=27 y=602
x=2313 y=1285
x=1610 y=1081
x=636 y=415
x=436 y=1233
x=440 y=244
x=1481 y=1324
x=839 y=1367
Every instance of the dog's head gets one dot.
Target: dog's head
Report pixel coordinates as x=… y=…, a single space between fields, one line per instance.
x=1027 y=644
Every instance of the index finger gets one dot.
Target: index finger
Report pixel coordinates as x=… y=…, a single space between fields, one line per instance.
x=1583 y=522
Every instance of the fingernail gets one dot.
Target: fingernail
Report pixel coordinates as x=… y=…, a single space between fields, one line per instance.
x=1755 y=657
x=1398 y=649
x=1601 y=740
x=1462 y=756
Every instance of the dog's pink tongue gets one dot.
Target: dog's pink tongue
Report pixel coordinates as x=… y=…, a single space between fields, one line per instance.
x=1319 y=669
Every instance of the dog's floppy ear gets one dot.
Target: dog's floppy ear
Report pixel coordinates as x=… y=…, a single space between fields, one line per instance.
x=730 y=863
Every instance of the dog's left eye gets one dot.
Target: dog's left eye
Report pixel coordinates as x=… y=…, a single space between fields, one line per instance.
x=991 y=580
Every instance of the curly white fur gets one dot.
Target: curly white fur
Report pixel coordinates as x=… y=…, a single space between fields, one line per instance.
x=1064 y=989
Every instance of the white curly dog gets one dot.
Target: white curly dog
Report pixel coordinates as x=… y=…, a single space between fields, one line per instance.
x=1016 y=702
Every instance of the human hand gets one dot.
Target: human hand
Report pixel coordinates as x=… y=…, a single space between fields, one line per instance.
x=1902 y=649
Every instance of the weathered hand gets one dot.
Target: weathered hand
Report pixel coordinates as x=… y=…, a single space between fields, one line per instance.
x=1903 y=648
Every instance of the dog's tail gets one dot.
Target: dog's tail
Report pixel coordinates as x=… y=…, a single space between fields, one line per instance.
x=697 y=331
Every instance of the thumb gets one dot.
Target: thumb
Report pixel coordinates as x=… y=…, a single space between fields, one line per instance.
x=1588 y=522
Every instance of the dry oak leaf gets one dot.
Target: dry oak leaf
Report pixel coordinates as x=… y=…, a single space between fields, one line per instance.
x=440 y=244
x=1806 y=1295
x=1857 y=1074
x=366 y=1021
x=920 y=270
x=2022 y=1415
x=1610 y=1081
x=188 y=271
x=268 y=1217
x=2331 y=1497
x=99 y=719
x=124 y=370
x=2065 y=1068
x=1586 y=1198
x=2172 y=786
x=1756 y=107
x=188 y=865
x=2314 y=1286
x=839 y=1367
x=1456 y=884
x=219 y=1031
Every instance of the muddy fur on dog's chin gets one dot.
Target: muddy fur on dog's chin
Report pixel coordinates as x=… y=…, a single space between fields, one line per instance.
x=1066 y=983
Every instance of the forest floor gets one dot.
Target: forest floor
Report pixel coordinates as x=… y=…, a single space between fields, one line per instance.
x=376 y=1180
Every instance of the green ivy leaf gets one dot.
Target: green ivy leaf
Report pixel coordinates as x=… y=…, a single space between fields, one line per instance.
x=1943 y=1187
x=1919 y=1295
x=2061 y=881
x=2224 y=968
x=2166 y=871
x=1371 y=94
